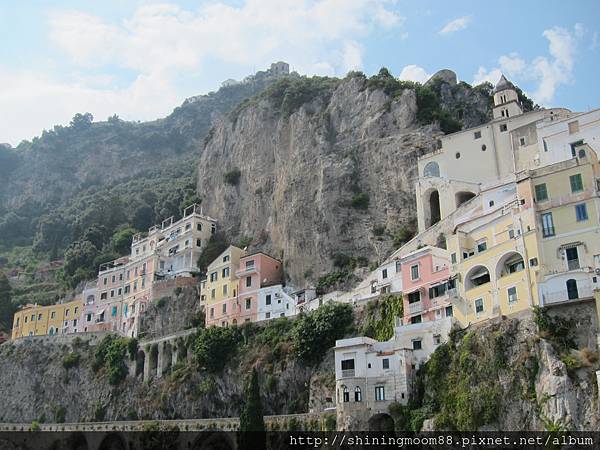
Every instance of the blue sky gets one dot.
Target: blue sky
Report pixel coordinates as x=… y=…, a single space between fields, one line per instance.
x=140 y=59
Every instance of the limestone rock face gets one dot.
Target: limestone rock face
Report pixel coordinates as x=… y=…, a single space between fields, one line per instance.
x=445 y=75
x=299 y=174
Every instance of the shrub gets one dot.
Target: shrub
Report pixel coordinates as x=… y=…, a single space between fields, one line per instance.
x=110 y=354
x=161 y=302
x=380 y=322
x=316 y=332
x=35 y=426
x=178 y=290
x=60 y=413
x=132 y=348
x=99 y=412
x=71 y=360
x=378 y=230
x=214 y=346
x=232 y=176
x=329 y=422
x=331 y=279
x=360 y=201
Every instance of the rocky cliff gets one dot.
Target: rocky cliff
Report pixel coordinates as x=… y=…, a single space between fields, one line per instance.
x=328 y=166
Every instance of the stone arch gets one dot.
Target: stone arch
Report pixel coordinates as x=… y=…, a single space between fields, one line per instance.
x=463 y=197
x=431 y=169
x=433 y=213
x=113 y=441
x=214 y=441
x=166 y=358
x=140 y=361
x=477 y=276
x=509 y=263
x=75 y=441
x=381 y=422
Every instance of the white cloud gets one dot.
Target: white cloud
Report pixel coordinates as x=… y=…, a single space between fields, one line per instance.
x=414 y=73
x=456 y=25
x=548 y=72
x=159 y=44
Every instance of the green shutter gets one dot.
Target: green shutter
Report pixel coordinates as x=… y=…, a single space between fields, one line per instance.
x=576 y=183
x=541 y=192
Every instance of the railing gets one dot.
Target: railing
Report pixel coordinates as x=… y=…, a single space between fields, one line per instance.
x=573 y=264
x=348 y=373
x=415 y=307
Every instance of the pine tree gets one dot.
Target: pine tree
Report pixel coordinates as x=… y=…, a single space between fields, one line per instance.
x=252 y=423
x=7 y=309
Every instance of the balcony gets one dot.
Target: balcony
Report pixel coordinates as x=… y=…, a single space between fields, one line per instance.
x=245 y=271
x=348 y=373
x=583 y=289
x=414 y=308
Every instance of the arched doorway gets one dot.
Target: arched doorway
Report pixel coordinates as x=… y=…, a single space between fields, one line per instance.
x=510 y=263
x=477 y=276
x=140 y=360
x=434 y=208
x=381 y=422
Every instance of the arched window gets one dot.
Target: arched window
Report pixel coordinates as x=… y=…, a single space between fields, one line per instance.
x=432 y=169
x=572 y=292
x=345 y=394
x=357 y=394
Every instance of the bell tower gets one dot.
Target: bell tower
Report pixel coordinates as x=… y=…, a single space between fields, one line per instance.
x=506 y=100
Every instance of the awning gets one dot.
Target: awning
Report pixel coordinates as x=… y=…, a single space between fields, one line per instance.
x=100 y=312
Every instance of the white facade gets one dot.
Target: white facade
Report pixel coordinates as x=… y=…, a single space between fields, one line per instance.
x=274 y=302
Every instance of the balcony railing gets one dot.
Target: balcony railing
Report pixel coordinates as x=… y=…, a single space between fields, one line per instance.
x=585 y=289
x=573 y=264
x=348 y=373
x=415 y=307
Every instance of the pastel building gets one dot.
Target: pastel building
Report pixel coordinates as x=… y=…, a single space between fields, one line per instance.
x=371 y=375
x=256 y=272
x=35 y=320
x=222 y=288
x=452 y=174
x=426 y=281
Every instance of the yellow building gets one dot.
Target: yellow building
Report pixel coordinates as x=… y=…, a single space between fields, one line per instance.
x=222 y=285
x=567 y=210
x=494 y=256
x=34 y=320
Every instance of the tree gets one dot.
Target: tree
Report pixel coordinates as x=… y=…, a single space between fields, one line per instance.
x=217 y=244
x=121 y=240
x=81 y=121
x=143 y=217
x=7 y=309
x=252 y=423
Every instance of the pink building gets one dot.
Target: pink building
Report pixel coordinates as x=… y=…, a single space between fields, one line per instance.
x=426 y=281
x=256 y=271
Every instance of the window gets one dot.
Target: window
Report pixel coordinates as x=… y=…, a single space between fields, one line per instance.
x=503 y=127
x=453 y=258
x=416 y=319
x=431 y=169
x=188 y=226
x=345 y=394
x=437 y=339
x=26 y=319
x=516 y=266
x=481 y=246
x=212 y=313
x=225 y=272
x=449 y=311
x=268 y=315
x=491 y=203
x=224 y=308
x=212 y=294
x=483 y=148
x=574 y=146
x=479 y=305
x=386 y=363
x=533 y=262
x=384 y=273
x=477 y=135
x=250 y=264
x=198 y=242
x=113 y=279
x=199 y=226
x=357 y=394
x=457 y=155
x=248 y=303
x=414 y=272
x=379 y=393
x=416 y=344
x=572 y=258
x=438 y=290
x=127 y=289
x=572 y=292
x=213 y=276
x=66 y=313
x=120 y=277
x=225 y=258
x=224 y=289
x=522 y=140
x=511 y=233
x=547 y=225
x=268 y=299
x=53 y=314
x=248 y=281
x=512 y=295
x=113 y=311
x=581 y=212
x=541 y=192
x=105 y=281
x=414 y=297
x=39 y=317
x=74 y=322
x=112 y=293
x=347 y=364
x=576 y=183
x=213 y=228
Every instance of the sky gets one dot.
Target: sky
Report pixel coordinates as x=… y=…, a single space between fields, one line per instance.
x=140 y=59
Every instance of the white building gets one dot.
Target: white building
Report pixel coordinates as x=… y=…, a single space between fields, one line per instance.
x=275 y=301
x=371 y=375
